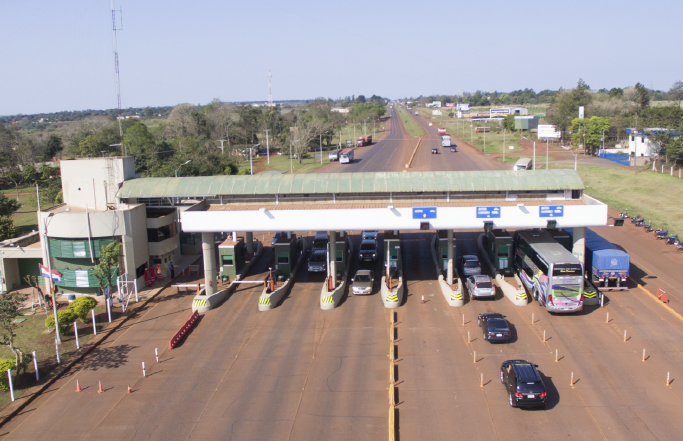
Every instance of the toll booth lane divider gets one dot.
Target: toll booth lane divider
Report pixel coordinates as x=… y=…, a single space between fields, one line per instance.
x=203 y=303
x=268 y=301
x=454 y=297
x=330 y=300
x=392 y=299
x=181 y=333
x=517 y=296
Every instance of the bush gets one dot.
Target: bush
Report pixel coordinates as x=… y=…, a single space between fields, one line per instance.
x=6 y=363
x=82 y=307
x=66 y=318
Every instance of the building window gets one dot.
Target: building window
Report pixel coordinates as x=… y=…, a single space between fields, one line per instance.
x=162 y=233
x=283 y=258
x=226 y=260
x=140 y=271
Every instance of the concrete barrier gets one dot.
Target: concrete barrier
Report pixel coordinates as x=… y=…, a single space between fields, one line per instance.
x=330 y=300
x=392 y=299
x=268 y=301
x=517 y=296
x=591 y=294
x=454 y=297
x=203 y=303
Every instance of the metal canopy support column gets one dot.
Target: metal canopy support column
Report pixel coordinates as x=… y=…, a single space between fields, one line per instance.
x=209 y=255
x=579 y=243
x=250 y=242
x=333 y=257
x=449 y=272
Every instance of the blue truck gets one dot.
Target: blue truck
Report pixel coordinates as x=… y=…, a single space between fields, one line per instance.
x=608 y=265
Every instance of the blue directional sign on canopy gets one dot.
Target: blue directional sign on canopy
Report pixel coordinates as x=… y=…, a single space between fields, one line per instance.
x=488 y=212
x=551 y=211
x=424 y=213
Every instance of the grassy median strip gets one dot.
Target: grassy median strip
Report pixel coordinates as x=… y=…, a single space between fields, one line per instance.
x=652 y=195
x=413 y=128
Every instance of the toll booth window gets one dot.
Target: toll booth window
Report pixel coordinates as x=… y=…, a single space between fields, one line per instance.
x=444 y=253
x=503 y=251
x=393 y=253
x=283 y=258
x=226 y=260
x=340 y=255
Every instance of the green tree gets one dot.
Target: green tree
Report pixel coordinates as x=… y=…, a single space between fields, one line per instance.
x=29 y=172
x=564 y=106
x=642 y=97
x=91 y=146
x=676 y=93
x=109 y=261
x=8 y=206
x=7 y=228
x=9 y=311
x=589 y=130
x=509 y=123
x=139 y=144
x=66 y=318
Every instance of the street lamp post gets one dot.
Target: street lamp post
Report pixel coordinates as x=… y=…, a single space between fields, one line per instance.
x=185 y=163
x=49 y=270
x=321 y=147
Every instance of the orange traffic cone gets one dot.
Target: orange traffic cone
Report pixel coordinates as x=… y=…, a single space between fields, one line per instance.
x=78 y=386
x=130 y=391
x=423 y=299
x=100 y=390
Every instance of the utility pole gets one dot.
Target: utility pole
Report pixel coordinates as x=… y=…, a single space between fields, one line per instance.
x=503 y=144
x=635 y=145
x=534 y=155
x=267 y=147
x=546 y=153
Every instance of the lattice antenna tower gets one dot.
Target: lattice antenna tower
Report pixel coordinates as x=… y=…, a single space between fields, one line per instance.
x=116 y=67
x=270 y=89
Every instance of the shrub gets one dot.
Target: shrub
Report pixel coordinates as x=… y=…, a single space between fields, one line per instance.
x=66 y=318
x=6 y=363
x=82 y=307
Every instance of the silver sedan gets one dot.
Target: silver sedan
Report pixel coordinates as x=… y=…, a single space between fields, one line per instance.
x=480 y=286
x=362 y=283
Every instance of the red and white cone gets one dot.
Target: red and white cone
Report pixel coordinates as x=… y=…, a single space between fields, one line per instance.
x=78 y=386
x=130 y=391
x=423 y=299
x=100 y=390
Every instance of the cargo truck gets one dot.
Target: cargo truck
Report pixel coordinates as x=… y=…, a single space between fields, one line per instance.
x=605 y=265
x=441 y=130
x=446 y=141
x=364 y=140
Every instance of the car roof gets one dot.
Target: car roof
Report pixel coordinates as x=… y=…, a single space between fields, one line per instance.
x=525 y=372
x=470 y=257
x=319 y=251
x=491 y=315
x=364 y=272
x=481 y=278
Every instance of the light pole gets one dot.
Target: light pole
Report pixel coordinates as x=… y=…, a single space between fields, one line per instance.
x=185 y=163
x=49 y=270
x=635 y=145
x=546 y=153
x=267 y=147
x=321 y=147
x=503 y=144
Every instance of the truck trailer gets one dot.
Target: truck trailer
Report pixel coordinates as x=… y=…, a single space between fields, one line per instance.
x=364 y=140
x=605 y=265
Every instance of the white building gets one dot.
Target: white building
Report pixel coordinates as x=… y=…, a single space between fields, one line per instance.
x=641 y=145
x=340 y=109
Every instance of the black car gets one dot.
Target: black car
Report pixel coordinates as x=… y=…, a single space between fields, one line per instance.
x=523 y=383
x=494 y=326
x=435 y=151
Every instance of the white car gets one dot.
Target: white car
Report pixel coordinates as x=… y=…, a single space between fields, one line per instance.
x=430 y=124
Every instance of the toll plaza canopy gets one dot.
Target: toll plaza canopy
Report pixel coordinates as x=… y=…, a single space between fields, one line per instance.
x=382 y=200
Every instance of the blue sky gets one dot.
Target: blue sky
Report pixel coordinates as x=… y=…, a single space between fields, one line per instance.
x=58 y=55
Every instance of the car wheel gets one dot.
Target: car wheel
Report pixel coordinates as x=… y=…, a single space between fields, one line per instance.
x=512 y=401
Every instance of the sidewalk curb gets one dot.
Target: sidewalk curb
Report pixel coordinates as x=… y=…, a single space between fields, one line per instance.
x=15 y=407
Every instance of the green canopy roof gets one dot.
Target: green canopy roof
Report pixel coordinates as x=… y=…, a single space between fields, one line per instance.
x=380 y=182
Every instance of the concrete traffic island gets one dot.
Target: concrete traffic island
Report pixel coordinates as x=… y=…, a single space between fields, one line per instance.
x=203 y=303
x=454 y=297
x=330 y=299
x=517 y=295
x=392 y=298
x=269 y=300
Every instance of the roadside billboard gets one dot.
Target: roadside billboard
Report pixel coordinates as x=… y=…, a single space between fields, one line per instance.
x=450 y=104
x=499 y=112
x=548 y=131
x=436 y=103
x=465 y=107
x=581 y=112
x=437 y=113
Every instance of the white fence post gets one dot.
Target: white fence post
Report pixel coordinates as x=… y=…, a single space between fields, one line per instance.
x=35 y=366
x=11 y=389
x=94 y=326
x=78 y=346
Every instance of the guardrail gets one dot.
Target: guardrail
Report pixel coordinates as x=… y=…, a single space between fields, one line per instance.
x=181 y=333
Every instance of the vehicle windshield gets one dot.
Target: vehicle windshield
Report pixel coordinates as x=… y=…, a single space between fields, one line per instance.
x=317 y=258
x=362 y=278
x=497 y=324
x=320 y=243
x=367 y=246
x=566 y=290
x=484 y=285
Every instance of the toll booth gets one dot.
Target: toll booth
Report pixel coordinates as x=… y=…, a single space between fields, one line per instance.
x=562 y=237
x=342 y=250
x=285 y=254
x=392 y=251
x=498 y=245
x=442 y=250
x=231 y=257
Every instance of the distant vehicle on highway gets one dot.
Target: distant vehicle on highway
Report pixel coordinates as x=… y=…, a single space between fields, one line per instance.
x=524 y=164
x=480 y=287
x=435 y=151
x=334 y=155
x=430 y=124
x=415 y=113
x=446 y=142
x=362 y=282
x=453 y=147
x=441 y=130
x=470 y=265
x=346 y=156
x=495 y=327
x=523 y=383
x=317 y=262
x=364 y=140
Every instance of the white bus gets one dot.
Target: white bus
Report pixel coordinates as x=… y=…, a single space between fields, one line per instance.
x=346 y=156
x=552 y=274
